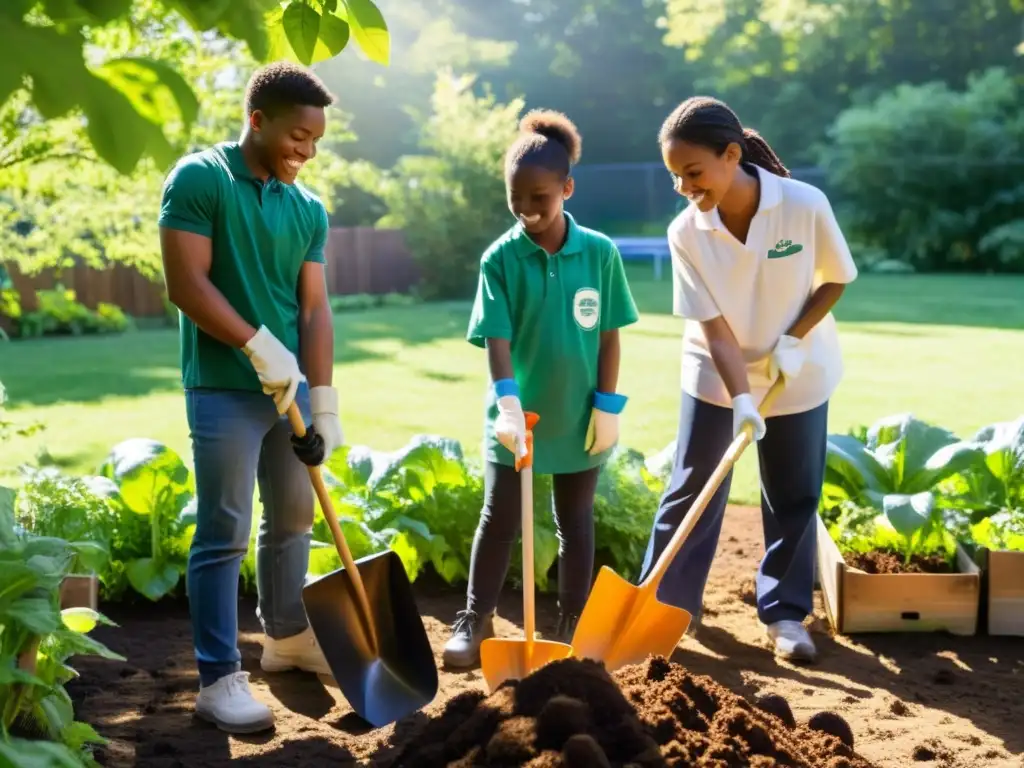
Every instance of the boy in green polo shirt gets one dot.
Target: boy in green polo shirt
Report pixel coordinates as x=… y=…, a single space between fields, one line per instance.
x=243 y=251
x=551 y=298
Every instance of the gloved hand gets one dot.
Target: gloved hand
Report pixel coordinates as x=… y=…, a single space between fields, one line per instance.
x=510 y=424
x=745 y=412
x=310 y=447
x=277 y=368
x=603 y=430
x=787 y=358
x=323 y=403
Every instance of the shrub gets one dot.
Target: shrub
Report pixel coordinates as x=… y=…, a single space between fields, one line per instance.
x=450 y=201
x=931 y=176
x=60 y=313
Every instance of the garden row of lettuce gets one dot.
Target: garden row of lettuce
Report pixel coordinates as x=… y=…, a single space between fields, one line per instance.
x=901 y=485
x=422 y=501
x=914 y=488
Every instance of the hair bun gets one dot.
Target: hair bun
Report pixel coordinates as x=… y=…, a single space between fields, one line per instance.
x=555 y=126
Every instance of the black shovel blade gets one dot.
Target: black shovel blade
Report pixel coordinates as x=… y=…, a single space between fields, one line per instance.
x=402 y=677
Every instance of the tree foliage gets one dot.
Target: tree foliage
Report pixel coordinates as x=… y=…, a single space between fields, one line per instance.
x=134 y=105
x=954 y=199
x=60 y=201
x=450 y=199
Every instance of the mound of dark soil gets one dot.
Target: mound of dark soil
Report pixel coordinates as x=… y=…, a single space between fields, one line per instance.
x=573 y=713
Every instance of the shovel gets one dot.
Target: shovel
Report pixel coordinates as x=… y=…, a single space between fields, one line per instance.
x=622 y=624
x=365 y=618
x=503 y=659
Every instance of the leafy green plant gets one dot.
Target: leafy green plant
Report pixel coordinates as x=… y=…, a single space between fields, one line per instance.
x=997 y=482
x=424 y=500
x=402 y=501
x=896 y=471
x=152 y=485
x=138 y=508
x=37 y=719
x=1002 y=531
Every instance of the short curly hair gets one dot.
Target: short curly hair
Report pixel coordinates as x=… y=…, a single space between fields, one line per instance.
x=278 y=87
x=547 y=139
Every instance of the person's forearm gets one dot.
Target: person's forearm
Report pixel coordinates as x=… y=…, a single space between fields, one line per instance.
x=728 y=359
x=608 y=362
x=499 y=359
x=819 y=305
x=316 y=336
x=206 y=306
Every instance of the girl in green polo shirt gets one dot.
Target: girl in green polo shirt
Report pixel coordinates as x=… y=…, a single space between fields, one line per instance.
x=550 y=300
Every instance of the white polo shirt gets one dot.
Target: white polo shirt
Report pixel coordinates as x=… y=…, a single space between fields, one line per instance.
x=760 y=287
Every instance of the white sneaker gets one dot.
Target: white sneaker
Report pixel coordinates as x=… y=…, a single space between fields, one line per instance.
x=791 y=641
x=229 y=704
x=301 y=651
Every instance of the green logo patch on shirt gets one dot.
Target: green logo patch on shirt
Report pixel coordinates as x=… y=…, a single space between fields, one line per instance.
x=784 y=248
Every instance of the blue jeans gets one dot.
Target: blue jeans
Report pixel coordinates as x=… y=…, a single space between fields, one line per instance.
x=238 y=439
x=792 y=464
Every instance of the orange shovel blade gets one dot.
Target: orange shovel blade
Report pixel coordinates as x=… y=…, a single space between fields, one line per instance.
x=506 y=659
x=623 y=624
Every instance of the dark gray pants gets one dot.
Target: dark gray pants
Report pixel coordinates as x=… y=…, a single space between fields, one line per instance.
x=792 y=462
x=500 y=526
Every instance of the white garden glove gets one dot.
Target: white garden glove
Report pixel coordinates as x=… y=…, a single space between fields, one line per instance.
x=277 y=368
x=787 y=359
x=603 y=430
x=510 y=426
x=745 y=412
x=323 y=404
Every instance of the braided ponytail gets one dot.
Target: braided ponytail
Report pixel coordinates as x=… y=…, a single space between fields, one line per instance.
x=757 y=151
x=711 y=123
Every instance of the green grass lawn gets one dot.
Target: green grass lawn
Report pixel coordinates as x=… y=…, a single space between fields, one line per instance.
x=938 y=346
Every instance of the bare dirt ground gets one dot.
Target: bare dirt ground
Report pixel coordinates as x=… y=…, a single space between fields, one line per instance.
x=911 y=700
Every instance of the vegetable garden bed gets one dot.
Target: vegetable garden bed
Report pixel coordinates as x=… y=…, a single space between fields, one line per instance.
x=898 y=598
x=907 y=489
x=901 y=695
x=920 y=529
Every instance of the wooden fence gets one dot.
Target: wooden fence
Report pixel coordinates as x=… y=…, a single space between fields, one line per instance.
x=359 y=260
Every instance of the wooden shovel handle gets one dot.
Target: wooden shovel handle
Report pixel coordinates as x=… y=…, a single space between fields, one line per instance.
x=732 y=455
x=299 y=427
x=525 y=469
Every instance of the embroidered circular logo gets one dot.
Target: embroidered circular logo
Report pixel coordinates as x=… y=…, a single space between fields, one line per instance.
x=586 y=308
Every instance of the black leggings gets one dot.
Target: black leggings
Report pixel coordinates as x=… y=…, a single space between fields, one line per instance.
x=500 y=524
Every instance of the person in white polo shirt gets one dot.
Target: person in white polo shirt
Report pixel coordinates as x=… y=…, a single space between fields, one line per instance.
x=758 y=263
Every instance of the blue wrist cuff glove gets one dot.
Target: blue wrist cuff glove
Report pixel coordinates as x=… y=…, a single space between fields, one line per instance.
x=506 y=387
x=610 y=402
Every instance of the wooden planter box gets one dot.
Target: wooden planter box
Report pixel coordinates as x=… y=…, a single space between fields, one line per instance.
x=1004 y=592
x=79 y=592
x=856 y=601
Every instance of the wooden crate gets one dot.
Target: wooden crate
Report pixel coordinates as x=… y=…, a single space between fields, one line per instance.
x=1004 y=574
x=79 y=591
x=856 y=601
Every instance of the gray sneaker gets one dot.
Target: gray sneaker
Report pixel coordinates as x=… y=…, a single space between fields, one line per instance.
x=469 y=630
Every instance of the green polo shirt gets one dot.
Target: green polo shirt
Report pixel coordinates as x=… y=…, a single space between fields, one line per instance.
x=552 y=309
x=262 y=233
